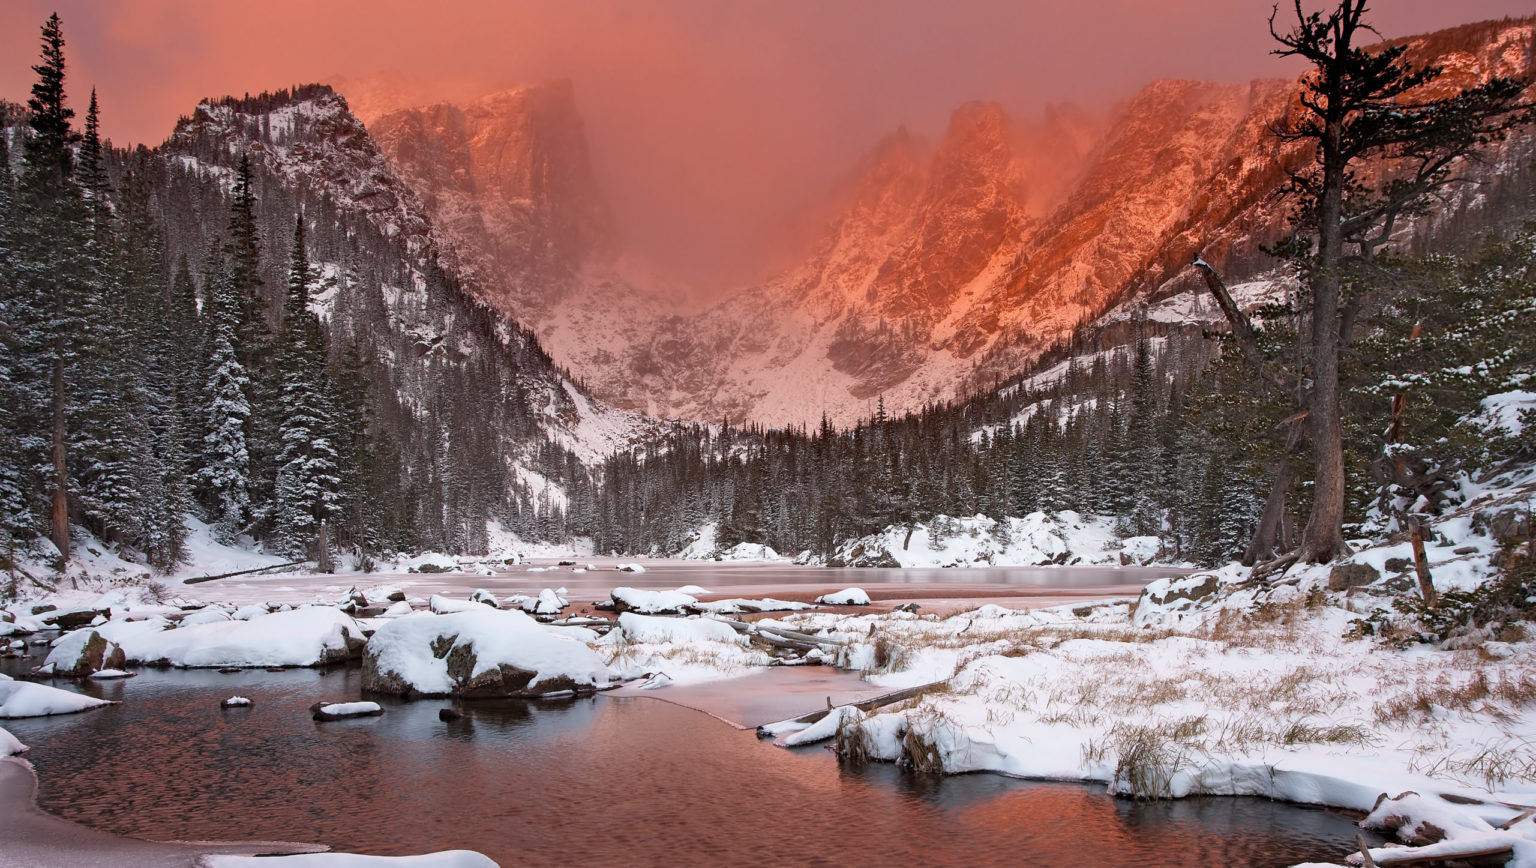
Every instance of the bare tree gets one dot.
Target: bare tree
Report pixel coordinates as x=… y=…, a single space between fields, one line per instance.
x=1358 y=107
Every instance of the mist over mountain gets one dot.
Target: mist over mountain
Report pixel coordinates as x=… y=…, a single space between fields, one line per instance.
x=930 y=271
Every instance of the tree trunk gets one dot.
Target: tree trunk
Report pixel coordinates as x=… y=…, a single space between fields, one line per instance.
x=323 y=550
x=1267 y=537
x=60 y=515
x=1323 y=538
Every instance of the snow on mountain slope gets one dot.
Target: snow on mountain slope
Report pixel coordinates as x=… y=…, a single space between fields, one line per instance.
x=308 y=147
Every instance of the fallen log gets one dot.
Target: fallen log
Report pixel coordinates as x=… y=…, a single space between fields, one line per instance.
x=201 y=579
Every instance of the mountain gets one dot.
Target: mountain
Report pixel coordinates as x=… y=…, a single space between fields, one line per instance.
x=508 y=183
x=487 y=427
x=940 y=268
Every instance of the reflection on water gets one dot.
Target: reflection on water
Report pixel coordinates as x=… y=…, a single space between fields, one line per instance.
x=591 y=781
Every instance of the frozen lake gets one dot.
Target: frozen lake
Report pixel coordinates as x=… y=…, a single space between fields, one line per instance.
x=1048 y=584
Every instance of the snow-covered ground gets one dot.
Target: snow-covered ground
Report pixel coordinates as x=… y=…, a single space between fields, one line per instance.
x=978 y=541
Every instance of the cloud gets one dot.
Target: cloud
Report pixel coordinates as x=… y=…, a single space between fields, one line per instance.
x=709 y=119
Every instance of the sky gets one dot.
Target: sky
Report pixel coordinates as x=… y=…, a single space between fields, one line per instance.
x=710 y=121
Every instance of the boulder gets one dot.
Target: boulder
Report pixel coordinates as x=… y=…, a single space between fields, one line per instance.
x=78 y=654
x=484 y=654
x=1345 y=576
x=74 y=618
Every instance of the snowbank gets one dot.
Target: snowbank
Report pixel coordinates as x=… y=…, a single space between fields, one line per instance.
x=10 y=745
x=478 y=654
x=308 y=636
x=26 y=699
x=647 y=629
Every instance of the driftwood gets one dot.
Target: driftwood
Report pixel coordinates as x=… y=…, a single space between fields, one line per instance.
x=781 y=633
x=1439 y=853
x=201 y=579
x=866 y=706
x=1365 y=851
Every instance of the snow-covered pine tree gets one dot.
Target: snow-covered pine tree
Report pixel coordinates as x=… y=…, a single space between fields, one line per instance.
x=223 y=479
x=307 y=492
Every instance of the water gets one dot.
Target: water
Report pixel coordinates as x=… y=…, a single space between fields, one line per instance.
x=597 y=781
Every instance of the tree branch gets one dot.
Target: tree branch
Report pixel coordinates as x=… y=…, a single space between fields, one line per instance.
x=1242 y=328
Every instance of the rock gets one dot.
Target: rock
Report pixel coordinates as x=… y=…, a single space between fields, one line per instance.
x=1464 y=550
x=1398 y=565
x=1508 y=523
x=236 y=702
x=75 y=618
x=45 y=607
x=1345 y=576
x=396 y=597
x=78 y=654
x=907 y=607
x=447 y=714
x=483 y=596
x=491 y=653
x=343 y=710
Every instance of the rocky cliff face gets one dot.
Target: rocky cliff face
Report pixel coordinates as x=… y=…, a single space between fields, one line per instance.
x=942 y=267
x=508 y=182
x=388 y=284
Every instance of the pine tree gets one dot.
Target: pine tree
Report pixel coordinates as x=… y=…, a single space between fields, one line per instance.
x=307 y=490
x=223 y=481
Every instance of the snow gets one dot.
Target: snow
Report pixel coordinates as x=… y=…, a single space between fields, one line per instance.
x=444 y=606
x=9 y=744
x=307 y=636
x=26 y=699
x=548 y=602
x=652 y=602
x=111 y=674
x=403 y=649
x=847 y=597
x=654 y=630
x=442 y=859
x=237 y=701
x=1037 y=539
x=1502 y=412
x=349 y=709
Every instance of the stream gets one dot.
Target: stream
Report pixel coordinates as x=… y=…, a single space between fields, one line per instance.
x=597 y=781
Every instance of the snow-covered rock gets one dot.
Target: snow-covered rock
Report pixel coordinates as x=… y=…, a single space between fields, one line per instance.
x=548 y=602
x=342 y=710
x=846 y=597
x=82 y=652
x=26 y=699
x=651 y=602
x=308 y=636
x=478 y=654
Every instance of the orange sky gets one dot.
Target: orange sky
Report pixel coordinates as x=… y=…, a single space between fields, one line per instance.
x=709 y=119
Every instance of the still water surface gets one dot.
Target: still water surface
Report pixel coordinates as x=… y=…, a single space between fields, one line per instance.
x=598 y=781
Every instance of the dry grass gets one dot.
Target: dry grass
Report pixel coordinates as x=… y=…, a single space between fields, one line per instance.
x=1492 y=765
x=1477 y=693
